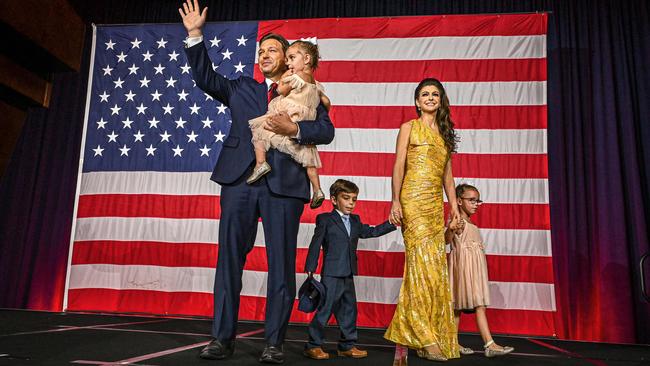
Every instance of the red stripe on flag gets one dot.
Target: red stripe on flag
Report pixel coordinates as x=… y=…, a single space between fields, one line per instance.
x=481 y=70
x=464 y=117
x=148 y=205
x=409 y=27
x=521 y=216
x=141 y=301
x=145 y=253
x=370 y=263
x=524 y=166
x=529 y=216
x=489 y=216
x=356 y=164
x=252 y=308
x=513 y=321
x=445 y=70
x=504 y=268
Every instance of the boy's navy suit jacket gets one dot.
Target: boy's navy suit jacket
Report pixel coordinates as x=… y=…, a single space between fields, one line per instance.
x=339 y=249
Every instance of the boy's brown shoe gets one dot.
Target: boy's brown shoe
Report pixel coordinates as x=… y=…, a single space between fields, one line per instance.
x=354 y=352
x=316 y=353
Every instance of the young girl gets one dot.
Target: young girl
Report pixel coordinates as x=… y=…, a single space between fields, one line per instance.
x=468 y=269
x=299 y=96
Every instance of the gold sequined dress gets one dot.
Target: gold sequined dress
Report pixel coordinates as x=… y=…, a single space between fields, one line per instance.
x=424 y=315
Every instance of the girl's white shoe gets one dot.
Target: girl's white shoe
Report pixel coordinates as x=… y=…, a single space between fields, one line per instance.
x=490 y=352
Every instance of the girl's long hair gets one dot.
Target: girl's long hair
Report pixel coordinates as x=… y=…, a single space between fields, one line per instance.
x=443 y=116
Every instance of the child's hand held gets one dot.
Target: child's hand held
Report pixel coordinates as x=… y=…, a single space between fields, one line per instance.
x=460 y=227
x=395 y=216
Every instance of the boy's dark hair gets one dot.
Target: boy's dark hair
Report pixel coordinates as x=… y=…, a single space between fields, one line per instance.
x=310 y=49
x=343 y=186
x=283 y=41
x=462 y=188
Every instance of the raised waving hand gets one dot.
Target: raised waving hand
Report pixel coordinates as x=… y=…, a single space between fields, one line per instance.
x=193 y=17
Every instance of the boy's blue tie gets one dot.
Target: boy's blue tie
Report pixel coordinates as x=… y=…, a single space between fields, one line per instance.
x=346 y=222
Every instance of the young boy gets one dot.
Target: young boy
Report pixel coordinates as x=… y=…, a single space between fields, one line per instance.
x=338 y=232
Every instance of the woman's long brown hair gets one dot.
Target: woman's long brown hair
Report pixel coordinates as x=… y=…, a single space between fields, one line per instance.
x=443 y=116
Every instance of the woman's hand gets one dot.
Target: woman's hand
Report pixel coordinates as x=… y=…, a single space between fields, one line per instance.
x=395 y=216
x=452 y=223
x=454 y=219
x=455 y=213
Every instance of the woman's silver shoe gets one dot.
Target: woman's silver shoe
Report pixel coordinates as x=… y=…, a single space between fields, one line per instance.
x=489 y=352
x=465 y=351
x=258 y=173
x=422 y=353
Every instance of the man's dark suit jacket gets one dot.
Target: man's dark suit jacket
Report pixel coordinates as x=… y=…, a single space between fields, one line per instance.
x=339 y=249
x=247 y=99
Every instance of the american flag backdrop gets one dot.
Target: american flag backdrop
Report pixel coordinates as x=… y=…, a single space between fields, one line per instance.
x=146 y=220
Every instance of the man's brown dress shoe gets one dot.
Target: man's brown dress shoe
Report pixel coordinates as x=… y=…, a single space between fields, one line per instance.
x=316 y=353
x=354 y=352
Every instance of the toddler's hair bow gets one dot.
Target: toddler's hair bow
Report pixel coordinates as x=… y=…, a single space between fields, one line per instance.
x=311 y=40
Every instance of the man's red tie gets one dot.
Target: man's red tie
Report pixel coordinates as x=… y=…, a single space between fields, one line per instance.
x=272 y=92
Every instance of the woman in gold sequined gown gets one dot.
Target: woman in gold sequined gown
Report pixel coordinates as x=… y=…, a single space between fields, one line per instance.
x=424 y=317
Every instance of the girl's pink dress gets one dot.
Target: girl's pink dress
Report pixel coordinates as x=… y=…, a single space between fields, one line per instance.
x=468 y=274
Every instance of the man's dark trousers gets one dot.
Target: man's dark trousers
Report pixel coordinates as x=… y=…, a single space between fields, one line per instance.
x=237 y=230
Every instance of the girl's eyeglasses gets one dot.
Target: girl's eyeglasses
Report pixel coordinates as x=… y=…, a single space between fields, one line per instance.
x=473 y=201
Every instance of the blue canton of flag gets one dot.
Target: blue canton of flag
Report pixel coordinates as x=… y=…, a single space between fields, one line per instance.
x=145 y=111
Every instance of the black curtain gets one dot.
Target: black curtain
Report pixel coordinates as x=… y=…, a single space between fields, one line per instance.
x=37 y=198
x=598 y=125
x=598 y=158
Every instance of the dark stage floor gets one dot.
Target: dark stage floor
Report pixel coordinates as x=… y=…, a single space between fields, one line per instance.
x=43 y=338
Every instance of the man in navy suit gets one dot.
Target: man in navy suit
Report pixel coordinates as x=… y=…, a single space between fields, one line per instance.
x=278 y=198
x=338 y=233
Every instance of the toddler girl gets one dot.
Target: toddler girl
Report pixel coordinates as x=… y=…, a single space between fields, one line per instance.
x=299 y=96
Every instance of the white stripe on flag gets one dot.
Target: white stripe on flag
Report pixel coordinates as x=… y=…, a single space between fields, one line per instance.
x=147 y=229
x=498 y=241
x=493 y=190
x=375 y=140
x=459 y=93
x=432 y=48
x=171 y=183
x=502 y=141
x=504 y=295
x=517 y=242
